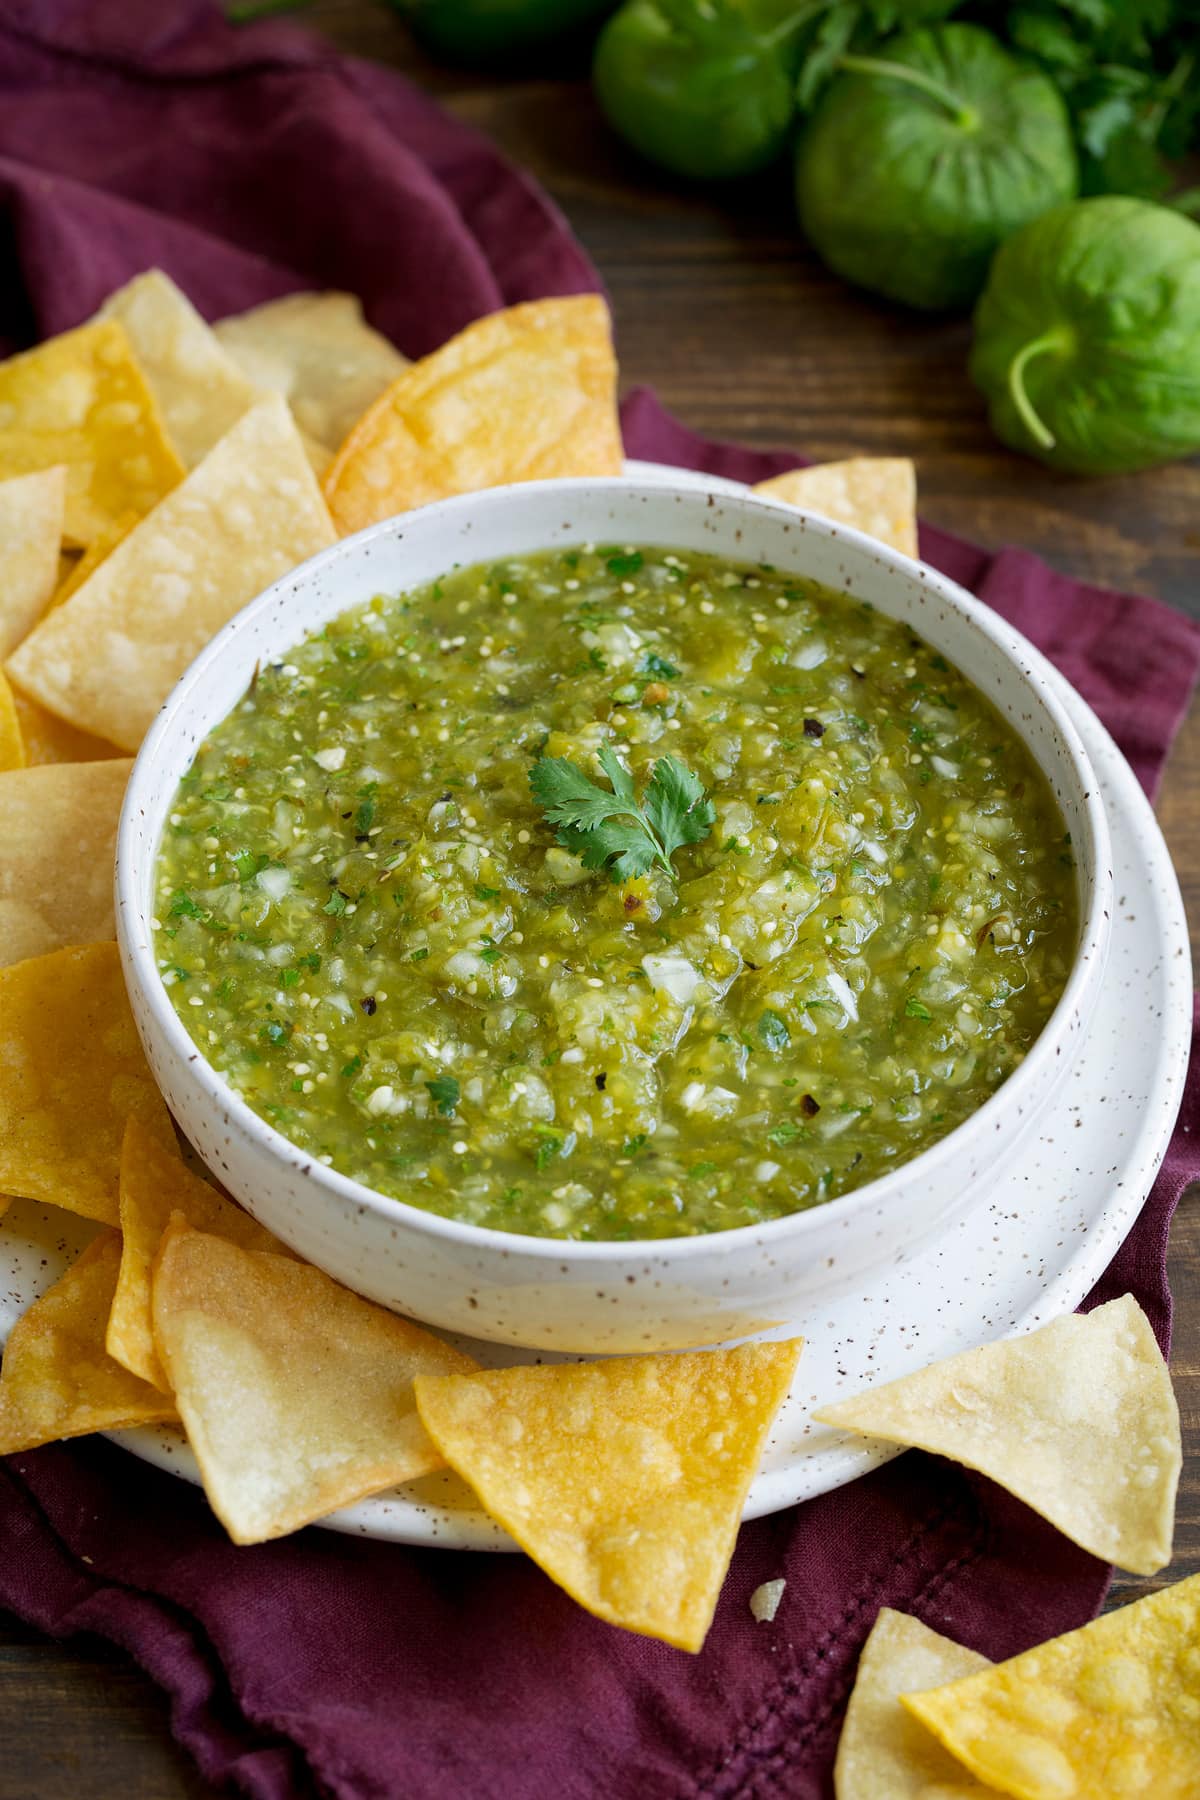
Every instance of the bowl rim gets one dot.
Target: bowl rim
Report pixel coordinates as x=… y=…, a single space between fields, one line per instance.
x=141 y=969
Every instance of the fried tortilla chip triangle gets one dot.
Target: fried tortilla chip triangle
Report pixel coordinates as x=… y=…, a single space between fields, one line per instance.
x=58 y=827
x=198 y=386
x=72 y=1072
x=1077 y=1419
x=883 y=1753
x=81 y=400
x=31 y=529
x=49 y=739
x=247 y=514
x=522 y=394
x=102 y=545
x=1110 y=1710
x=297 y=1395
x=155 y=1183
x=623 y=1479
x=57 y=1379
x=874 y=494
x=12 y=744
x=318 y=351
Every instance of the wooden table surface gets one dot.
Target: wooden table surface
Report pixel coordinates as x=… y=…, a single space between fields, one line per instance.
x=745 y=336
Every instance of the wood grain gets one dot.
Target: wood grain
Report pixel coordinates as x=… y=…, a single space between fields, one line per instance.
x=721 y=308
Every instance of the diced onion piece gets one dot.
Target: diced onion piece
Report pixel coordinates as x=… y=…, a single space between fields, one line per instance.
x=843 y=993
x=674 y=975
x=764 y=1601
x=809 y=656
x=274 y=882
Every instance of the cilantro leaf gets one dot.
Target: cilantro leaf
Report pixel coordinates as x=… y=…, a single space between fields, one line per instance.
x=773 y=1030
x=444 y=1092
x=627 y=563
x=612 y=829
x=676 y=806
x=364 y=818
x=567 y=796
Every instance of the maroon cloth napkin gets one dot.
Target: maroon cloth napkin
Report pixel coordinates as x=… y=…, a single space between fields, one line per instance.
x=135 y=132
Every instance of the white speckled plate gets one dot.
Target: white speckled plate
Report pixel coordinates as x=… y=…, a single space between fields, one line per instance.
x=1063 y=1208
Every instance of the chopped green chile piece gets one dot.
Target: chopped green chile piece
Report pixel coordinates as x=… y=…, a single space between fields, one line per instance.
x=373 y=931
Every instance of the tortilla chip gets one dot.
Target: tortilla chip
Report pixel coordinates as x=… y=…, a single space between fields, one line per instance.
x=57 y=1381
x=71 y=1073
x=81 y=400
x=1078 y=1420
x=200 y=389
x=155 y=1183
x=1112 y=1709
x=101 y=545
x=318 y=351
x=875 y=494
x=522 y=394
x=883 y=1754
x=58 y=827
x=251 y=511
x=297 y=1395
x=48 y=739
x=320 y=459
x=12 y=744
x=31 y=528
x=623 y=1479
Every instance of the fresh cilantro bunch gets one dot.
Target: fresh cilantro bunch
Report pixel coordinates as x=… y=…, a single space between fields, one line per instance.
x=612 y=828
x=1128 y=70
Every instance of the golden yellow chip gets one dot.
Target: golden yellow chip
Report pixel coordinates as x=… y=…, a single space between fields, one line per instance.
x=12 y=743
x=58 y=829
x=81 y=400
x=883 y=1754
x=1110 y=1710
x=31 y=528
x=71 y=1073
x=155 y=1183
x=49 y=739
x=318 y=351
x=100 y=546
x=200 y=389
x=624 y=1479
x=875 y=494
x=252 y=510
x=57 y=1380
x=319 y=458
x=1077 y=1419
x=297 y=1395
x=525 y=393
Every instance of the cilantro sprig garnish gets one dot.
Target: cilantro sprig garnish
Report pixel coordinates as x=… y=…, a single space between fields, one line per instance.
x=613 y=829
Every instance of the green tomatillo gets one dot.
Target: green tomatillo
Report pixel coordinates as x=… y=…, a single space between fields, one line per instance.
x=1087 y=338
x=487 y=32
x=696 y=85
x=918 y=162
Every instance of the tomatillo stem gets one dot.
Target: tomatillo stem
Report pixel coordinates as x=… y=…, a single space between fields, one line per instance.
x=964 y=115
x=780 y=33
x=1041 y=434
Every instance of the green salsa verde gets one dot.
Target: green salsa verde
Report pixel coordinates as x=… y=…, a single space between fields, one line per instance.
x=375 y=928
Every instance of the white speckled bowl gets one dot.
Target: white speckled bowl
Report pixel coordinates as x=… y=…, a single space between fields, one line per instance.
x=541 y=1292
